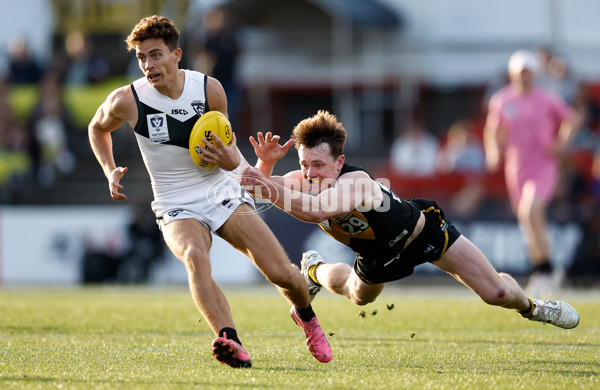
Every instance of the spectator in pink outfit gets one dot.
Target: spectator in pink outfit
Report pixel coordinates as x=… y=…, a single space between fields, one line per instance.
x=531 y=129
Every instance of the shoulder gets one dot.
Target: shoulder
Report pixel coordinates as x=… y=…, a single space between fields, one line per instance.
x=214 y=86
x=367 y=191
x=294 y=175
x=121 y=95
x=355 y=175
x=501 y=98
x=556 y=102
x=121 y=102
x=544 y=94
x=503 y=94
x=194 y=74
x=347 y=168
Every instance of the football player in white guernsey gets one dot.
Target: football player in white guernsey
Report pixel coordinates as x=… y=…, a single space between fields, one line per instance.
x=189 y=203
x=390 y=236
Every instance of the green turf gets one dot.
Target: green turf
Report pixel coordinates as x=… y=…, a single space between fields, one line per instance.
x=125 y=338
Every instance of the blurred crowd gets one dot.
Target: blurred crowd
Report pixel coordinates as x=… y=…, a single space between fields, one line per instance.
x=37 y=146
x=453 y=164
x=40 y=145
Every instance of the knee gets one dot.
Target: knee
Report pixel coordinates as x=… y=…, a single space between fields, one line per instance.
x=195 y=259
x=524 y=215
x=500 y=295
x=497 y=297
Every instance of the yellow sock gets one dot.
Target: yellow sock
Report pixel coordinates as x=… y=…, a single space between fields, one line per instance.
x=527 y=313
x=312 y=274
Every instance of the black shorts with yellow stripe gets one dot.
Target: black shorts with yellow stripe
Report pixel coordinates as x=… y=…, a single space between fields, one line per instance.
x=431 y=244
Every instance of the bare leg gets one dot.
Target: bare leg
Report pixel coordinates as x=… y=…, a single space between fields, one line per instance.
x=248 y=233
x=189 y=240
x=532 y=220
x=341 y=279
x=468 y=264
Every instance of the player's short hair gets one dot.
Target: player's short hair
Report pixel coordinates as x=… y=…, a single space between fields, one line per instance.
x=154 y=27
x=321 y=128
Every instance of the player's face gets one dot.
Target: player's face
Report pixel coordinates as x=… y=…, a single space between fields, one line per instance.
x=319 y=167
x=158 y=63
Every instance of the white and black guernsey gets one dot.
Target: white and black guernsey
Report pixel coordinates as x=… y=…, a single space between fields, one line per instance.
x=163 y=130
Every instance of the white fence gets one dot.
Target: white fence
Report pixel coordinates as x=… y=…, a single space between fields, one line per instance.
x=46 y=245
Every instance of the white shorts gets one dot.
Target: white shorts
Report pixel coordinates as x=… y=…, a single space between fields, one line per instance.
x=212 y=204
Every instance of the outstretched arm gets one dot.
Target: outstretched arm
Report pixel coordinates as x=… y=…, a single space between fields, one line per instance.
x=350 y=191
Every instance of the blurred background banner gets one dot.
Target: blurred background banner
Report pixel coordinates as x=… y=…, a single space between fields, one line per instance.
x=66 y=245
x=410 y=80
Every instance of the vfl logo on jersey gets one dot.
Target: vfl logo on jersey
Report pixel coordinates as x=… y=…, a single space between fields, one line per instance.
x=158 y=131
x=198 y=106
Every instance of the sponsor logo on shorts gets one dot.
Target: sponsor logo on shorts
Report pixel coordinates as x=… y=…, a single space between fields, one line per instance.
x=429 y=248
x=174 y=213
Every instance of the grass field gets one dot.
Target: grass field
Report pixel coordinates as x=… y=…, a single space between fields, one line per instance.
x=435 y=338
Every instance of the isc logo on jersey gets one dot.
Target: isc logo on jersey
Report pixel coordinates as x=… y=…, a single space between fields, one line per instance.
x=179 y=111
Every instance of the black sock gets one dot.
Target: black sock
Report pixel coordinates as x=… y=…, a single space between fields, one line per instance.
x=544 y=267
x=306 y=314
x=231 y=334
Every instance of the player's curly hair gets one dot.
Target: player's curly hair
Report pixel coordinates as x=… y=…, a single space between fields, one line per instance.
x=320 y=128
x=154 y=27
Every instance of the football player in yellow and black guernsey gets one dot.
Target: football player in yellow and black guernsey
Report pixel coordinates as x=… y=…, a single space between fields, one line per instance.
x=390 y=236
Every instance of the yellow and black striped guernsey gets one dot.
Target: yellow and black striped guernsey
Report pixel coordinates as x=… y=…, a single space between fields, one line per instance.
x=380 y=232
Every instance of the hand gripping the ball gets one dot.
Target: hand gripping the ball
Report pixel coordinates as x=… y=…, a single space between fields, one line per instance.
x=225 y=157
x=209 y=127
